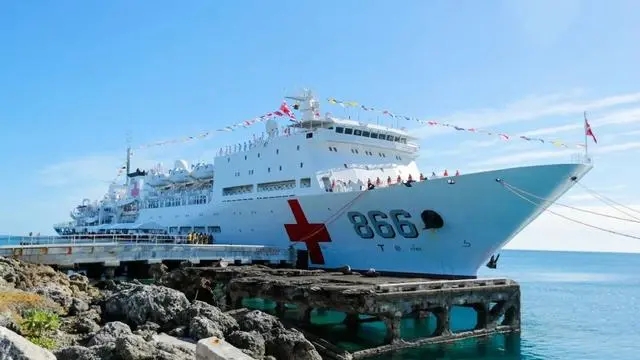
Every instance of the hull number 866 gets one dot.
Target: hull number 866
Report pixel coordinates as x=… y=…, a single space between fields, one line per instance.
x=385 y=226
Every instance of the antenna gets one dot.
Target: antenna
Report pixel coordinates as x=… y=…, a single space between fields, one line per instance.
x=128 y=163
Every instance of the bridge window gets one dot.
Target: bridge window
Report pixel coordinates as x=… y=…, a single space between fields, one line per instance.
x=357 y=132
x=374 y=135
x=396 y=139
x=403 y=140
x=348 y=131
x=365 y=133
x=339 y=130
x=389 y=137
x=214 y=229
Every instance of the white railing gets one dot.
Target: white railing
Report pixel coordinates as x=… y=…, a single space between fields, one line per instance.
x=93 y=239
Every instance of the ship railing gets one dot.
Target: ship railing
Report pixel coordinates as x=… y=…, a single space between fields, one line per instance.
x=94 y=239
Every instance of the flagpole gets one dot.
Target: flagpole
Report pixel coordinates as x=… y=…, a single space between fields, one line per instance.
x=586 y=148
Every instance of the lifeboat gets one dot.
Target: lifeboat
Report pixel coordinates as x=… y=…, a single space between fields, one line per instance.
x=202 y=171
x=180 y=176
x=159 y=179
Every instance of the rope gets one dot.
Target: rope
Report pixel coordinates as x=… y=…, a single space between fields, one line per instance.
x=604 y=199
x=572 y=220
x=634 y=220
x=335 y=215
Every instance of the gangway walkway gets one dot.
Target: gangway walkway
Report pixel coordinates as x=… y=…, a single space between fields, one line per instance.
x=111 y=250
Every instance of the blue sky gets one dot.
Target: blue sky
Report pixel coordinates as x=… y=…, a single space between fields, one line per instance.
x=77 y=76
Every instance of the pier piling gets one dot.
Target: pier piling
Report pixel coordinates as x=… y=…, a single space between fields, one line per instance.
x=385 y=299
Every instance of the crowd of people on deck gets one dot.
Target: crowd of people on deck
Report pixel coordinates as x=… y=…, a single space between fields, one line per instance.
x=199 y=238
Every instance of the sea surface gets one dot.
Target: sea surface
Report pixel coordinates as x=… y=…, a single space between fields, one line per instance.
x=580 y=306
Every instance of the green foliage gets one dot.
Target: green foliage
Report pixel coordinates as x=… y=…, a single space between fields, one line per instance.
x=38 y=326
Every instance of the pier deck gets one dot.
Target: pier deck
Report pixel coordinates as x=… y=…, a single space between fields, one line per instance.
x=386 y=299
x=112 y=251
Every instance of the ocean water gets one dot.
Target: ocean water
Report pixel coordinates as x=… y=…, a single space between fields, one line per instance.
x=579 y=306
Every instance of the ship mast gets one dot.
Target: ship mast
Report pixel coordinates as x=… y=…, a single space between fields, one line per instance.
x=128 y=163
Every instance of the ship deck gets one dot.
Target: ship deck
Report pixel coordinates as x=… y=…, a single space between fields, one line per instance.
x=382 y=298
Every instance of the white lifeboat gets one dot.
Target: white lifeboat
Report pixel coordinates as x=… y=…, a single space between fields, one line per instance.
x=180 y=172
x=202 y=171
x=158 y=179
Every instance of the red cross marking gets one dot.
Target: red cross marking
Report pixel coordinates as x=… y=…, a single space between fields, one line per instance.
x=310 y=234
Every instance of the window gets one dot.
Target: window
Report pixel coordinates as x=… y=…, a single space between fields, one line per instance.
x=245 y=157
x=298 y=147
x=268 y=169
x=309 y=135
x=348 y=131
x=374 y=135
x=330 y=148
x=389 y=137
x=250 y=172
x=396 y=139
x=334 y=149
x=301 y=164
x=280 y=167
x=357 y=132
x=339 y=130
x=258 y=154
x=365 y=133
x=277 y=151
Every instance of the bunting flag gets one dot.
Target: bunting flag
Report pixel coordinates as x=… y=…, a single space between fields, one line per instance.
x=501 y=135
x=283 y=111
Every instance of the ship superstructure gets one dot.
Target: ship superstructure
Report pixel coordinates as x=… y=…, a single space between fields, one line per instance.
x=346 y=192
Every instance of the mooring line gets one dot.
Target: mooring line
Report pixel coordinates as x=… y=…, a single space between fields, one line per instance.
x=605 y=199
x=634 y=220
x=570 y=219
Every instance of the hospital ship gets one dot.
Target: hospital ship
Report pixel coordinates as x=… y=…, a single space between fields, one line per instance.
x=341 y=192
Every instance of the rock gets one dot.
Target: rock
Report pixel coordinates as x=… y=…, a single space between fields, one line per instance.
x=77 y=353
x=222 y=321
x=149 y=326
x=78 y=306
x=259 y=321
x=134 y=347
x=180 y=331
x=251 y=343
x=14 y=346
x=141 y=303
x=109 y=333
x=84 y=325
x=289 y=344
x=201 y=327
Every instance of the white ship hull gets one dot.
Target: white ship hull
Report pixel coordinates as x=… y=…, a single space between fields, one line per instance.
x=480 y=217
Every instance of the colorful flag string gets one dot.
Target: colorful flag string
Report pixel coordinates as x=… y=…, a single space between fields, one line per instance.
x=502 y=135
x=283 y=111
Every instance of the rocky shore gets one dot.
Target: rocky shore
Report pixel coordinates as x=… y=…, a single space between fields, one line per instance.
x=125 y=321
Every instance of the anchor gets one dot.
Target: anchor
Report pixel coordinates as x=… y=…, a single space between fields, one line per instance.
x=493 y=262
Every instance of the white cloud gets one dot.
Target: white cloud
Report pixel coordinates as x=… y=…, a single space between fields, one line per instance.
x=527 y=156
x=551 y=232
x=536 y=107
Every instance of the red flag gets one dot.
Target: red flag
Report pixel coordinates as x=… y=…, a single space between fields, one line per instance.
x=284 y=108
x=587 y=129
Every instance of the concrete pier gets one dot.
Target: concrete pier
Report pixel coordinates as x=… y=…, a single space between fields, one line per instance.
x=117 y=250
x=385 y=299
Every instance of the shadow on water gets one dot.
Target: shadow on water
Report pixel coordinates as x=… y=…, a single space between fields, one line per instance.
x=328 y=325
